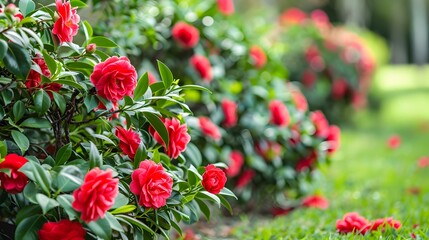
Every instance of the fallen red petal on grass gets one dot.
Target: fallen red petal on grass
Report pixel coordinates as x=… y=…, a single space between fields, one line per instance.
x=352 y=223
x=394 y=141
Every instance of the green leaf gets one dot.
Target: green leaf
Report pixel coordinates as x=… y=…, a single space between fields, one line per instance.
x=25 y=212
x=52 y=64
x=158 y=125
x=3 y=149
x=101 y=228
x=87 y=29
x=69 y=178
x=226 y=192
x=225 y=203
x=3 y=48
x=28 y=228
x=113 y=222
x=35 y=123
x=166 y=75
x=193 y=155
x=63 y=154
x=71 y=83
x=21 y=140
x=26 y=6
x=208 y=196
x=124 y=209
x=38 y=174
x=176 y=227
x=135 y=222
x=204 y=208
x=42 y=102
x=95 y=159
x=18 y=110
x=77 y=3
x=59 y=101
x=195 y=87
x=65 y=201
x=142 y=86
x=30 y=192
x=102 y=42
x=120 y=201
x=17 y=60
x=46 y=203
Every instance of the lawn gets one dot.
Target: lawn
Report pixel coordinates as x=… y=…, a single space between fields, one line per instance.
x=367 y=176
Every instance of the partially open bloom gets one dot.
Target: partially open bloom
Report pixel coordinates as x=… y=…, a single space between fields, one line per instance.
x=114 y=78
x=178 y=134
x=152 y=185
x=214 y=179
x=209 y=129
x=226 y=7
x=96 y=195
x=257 y=56
x=279 y=115
x=62 y=230
x=67 y=25
x=382 y=223
x=16 y=181
x=202 y=65
x=352 y=222
x=236 y=161
x=229 y=109
x=129 y=141
x=186 y=35
x=315 y=201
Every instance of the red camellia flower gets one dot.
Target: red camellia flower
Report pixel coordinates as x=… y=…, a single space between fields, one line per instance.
x=186 y=35
x=268 y=150
x=214 y=179
x=333 y=139
x=236 y=161
x=423 y=162
x=306 y=163
x=129 y=141
x=293 y=16
x=320 y=123
x=34 y=79
x=339 y=88
x=202 y=65
x=258 y=56
x=308 y=78
x=96 y=195
x=229 y=109
x=208 y=128
x=394 y=141
x=226 y=7
x=16 y=181
x=62 y=230
x=381 y=223
x=315 y=201
x=299 y=100
x=244 y=179
x=352 y=222
x=114 y=78
x=178 y=134
x=152 y=185
x=279 y=113
x=67 y=24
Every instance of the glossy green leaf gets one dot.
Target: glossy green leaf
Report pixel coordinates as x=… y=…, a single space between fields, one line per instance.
x=158 y=125
x=225 y=203
x=77 y=3
x=18 y=110
x=27 y=211
x=3 y=149
x=3 y=48
x=102 y=42
x=59 y=101
x=142 y=86
x=87 y=29
x=113 y=222
x=204 y=208
x=120 y=201
x=65 y=200
x=36 y=123
x=95 y=159
x=166 y=75
x=26 y=6
x=52 y=64
x=209 y=196
x=17 y=60
x=124 y=209
x=135 y=222
x=101 y=228
x=226 y=192
x=21 y=140
x=38 y=174
x=45 y=202
x=42 y=102
x=30 y=192
x=69 y=178
x=28 y=228
x=195 y=87
x=63 y=154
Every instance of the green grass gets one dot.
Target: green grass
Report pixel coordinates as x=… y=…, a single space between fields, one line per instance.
x=365 y=175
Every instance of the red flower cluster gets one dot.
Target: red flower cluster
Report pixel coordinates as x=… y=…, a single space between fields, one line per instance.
x=202 y=65
x=16 y=181
x=62 y=230
x=129 y=141
x=34 y=78
x=96 y=195
x=67 y=25
x=152 y=185
x=279 y=113
x=214 y=179
x=186 y=35
x=14 y=10
x=354 y=223
x=209 y=129
x=236 y=161
x=178 y=135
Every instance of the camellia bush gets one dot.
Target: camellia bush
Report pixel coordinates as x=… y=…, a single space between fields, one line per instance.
x=88 y=149
x=332 y=64
x=254 y=121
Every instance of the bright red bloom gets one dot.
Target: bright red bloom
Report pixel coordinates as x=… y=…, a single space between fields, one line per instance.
x=209 y=129
x=96 y=195
x=16 y=182
x=293 y=16
x=339 y=88
x=394 y=141
x=67 y=25
x=423 y=162
x=320 y=123
x=308 y=78
x=178 y=134
x=299 y=100
x=34 y=79
x=236 y=161
x=381 y=223
x=333 y=139
x=244 y=179
x=202 y=65
x=226 y=7
x=352 y=222
x=315 y=201
x=258 y=57
x=214 y=179
x=306 y=163
x=129 y=141
x=279 y=115
x=268 y=149
x=186 y=35
x=62 y=230
x=114 y=78
x=229 y=109
x=152 y=185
